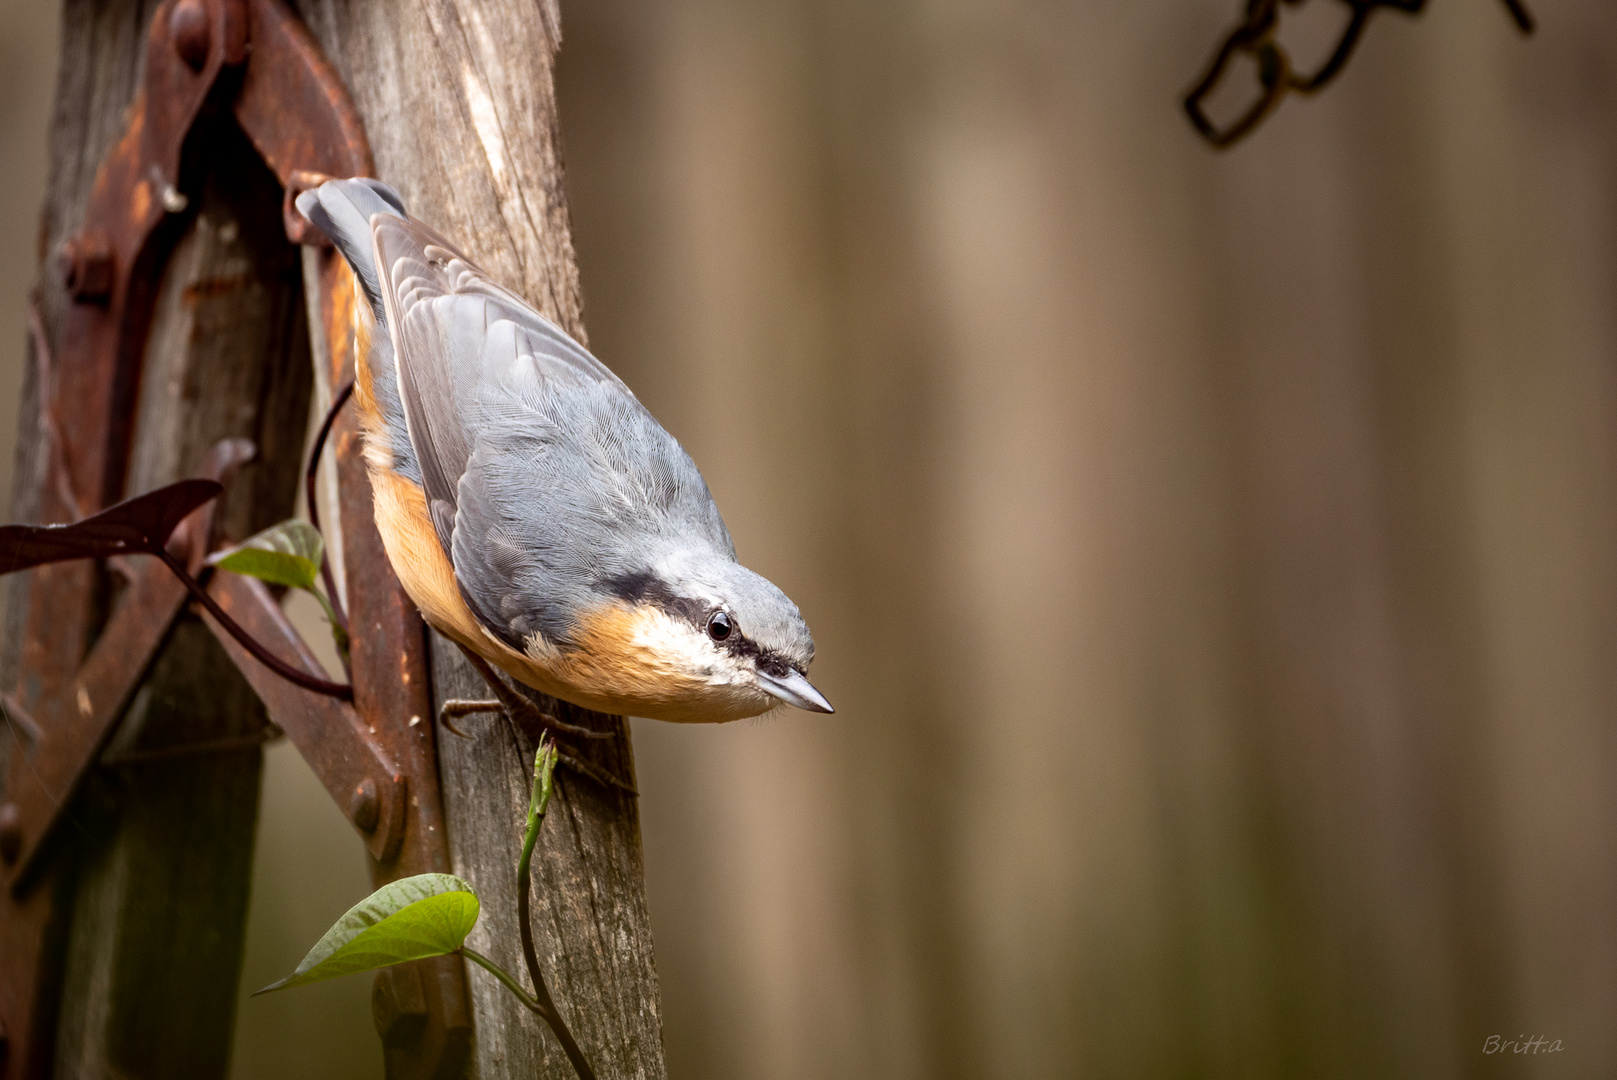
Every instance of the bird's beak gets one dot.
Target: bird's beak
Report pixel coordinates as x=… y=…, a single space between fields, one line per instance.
x=794 y=689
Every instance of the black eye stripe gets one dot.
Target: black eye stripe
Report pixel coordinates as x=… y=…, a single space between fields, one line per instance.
x=645 y=587
x=767 y=661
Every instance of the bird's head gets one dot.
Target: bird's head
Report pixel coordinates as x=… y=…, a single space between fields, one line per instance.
x=721 y=637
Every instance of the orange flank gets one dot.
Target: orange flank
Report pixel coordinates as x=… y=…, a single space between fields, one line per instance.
x=621 y=659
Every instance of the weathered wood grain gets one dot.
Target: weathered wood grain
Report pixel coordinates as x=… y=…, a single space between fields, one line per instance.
x=151 y=878
x=458 y=101
x=96 y=80
x=458 y=104
x=97 y=75
x=159 y=912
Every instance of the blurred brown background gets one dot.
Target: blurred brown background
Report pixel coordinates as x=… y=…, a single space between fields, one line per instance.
x=1213 y=558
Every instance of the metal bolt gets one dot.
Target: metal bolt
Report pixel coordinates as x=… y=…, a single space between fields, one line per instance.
x=87 y=269
x=365 y=808
x=10 y=832
x=192 y=33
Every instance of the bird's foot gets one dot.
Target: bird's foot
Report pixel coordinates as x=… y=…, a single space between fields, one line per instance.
x=517 y=708
x=515 y=705
x=455 y=708
x=528 y=716
x=599 y=775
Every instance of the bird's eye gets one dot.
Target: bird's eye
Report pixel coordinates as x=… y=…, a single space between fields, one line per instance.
x=719 y=625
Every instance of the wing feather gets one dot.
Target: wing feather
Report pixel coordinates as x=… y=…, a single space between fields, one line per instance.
x=544 y=475
x=454 y=329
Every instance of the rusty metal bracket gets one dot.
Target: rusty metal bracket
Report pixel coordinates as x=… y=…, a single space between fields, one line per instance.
x=376 y=756
x=74 y=725
x=322 y=728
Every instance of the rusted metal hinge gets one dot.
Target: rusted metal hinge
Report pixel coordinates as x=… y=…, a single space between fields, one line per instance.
x=376 y=755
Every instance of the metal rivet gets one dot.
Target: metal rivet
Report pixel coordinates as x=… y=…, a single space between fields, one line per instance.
x=192 y=33
x=10 y=832
x=365 y=808
x=87 y=269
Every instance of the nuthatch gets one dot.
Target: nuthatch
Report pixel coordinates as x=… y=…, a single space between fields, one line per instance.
x=534 y=510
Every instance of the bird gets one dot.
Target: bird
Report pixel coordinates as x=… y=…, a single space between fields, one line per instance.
x=532 y=507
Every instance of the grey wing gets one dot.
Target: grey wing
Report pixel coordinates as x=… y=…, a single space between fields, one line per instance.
x=544 y=475
x=570 y=487
x=454 y=330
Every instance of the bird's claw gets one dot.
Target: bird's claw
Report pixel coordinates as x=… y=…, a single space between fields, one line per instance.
x=600 y=776
x=457 y=707
x=526 y=714
x=517 y=710
x=520 y=708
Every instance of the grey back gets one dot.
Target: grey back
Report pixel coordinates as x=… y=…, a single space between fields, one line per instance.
x=545 y=476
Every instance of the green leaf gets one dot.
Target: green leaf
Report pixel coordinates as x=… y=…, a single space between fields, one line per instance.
x=284 y=554
x=425 y=915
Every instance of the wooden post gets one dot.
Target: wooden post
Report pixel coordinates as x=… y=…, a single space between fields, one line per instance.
x=160 y=908
x=458 y=103
x=161 y=837
x=150 y=891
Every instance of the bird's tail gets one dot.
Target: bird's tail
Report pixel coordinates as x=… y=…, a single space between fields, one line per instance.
x=342 y=209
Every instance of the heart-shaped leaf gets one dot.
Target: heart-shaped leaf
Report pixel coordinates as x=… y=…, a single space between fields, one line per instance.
x=284 y=554
x=134 y=525
x=414 y=917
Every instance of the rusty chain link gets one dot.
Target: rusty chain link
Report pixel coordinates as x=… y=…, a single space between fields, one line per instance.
x=1255 y=35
